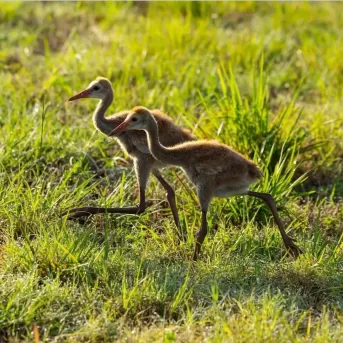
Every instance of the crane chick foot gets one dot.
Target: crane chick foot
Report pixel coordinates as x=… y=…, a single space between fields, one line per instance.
x=292 y=248
x=87 y=211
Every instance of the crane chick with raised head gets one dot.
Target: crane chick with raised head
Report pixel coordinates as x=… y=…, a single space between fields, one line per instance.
x=215 y=169
x=135 y=144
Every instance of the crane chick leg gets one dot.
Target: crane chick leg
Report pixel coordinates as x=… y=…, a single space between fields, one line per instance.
x=204 y=192
x=90 y=210
x=287 y=240
x=171 y=200
x=142 y=169
x=200 y=235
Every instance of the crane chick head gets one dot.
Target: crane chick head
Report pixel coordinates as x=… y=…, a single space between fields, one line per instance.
x=97 y=89
x=140 y=118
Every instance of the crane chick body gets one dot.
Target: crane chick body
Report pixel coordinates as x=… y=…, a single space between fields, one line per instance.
x=135 y=144
x=215 y=166
x=215 y=169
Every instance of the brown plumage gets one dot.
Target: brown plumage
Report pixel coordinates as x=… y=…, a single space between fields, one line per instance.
x=215 y=169
x=135 y=144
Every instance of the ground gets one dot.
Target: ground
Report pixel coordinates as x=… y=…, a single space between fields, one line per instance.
x=265 y=78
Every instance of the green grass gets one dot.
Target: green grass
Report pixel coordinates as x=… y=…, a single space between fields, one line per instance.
x=263 y=78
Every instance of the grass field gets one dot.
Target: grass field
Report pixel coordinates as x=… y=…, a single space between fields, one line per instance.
x=265 y=78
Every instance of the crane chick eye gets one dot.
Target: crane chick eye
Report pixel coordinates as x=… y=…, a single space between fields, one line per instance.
x=134 y=119
x=96 y=88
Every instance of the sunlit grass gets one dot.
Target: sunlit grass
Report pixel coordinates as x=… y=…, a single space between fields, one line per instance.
x=265 y=78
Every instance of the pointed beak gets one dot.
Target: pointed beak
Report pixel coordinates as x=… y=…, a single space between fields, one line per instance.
x=120 y=128
x=84 y=94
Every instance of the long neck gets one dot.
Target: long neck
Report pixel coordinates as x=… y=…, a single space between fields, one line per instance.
x=161 y=153
x=103 y=124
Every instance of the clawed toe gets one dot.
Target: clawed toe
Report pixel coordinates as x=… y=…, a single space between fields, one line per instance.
x=75 y=213
x=79 y=216
x=293 y=249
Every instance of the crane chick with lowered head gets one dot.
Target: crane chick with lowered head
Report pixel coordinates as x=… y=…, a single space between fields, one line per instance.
x=135 y=144
x=215 y=169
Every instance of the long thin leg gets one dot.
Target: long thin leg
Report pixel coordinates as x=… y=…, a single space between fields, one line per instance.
x=171 y=200
x=89 y=210
x=200 y=235
x=204 y=192
x=287 y=240
x=142 y=169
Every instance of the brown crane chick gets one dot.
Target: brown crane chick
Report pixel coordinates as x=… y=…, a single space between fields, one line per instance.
x=215 y=169
x=135 y=144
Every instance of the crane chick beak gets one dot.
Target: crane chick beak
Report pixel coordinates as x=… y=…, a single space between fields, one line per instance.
x=120 y=128
x=84 y=94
